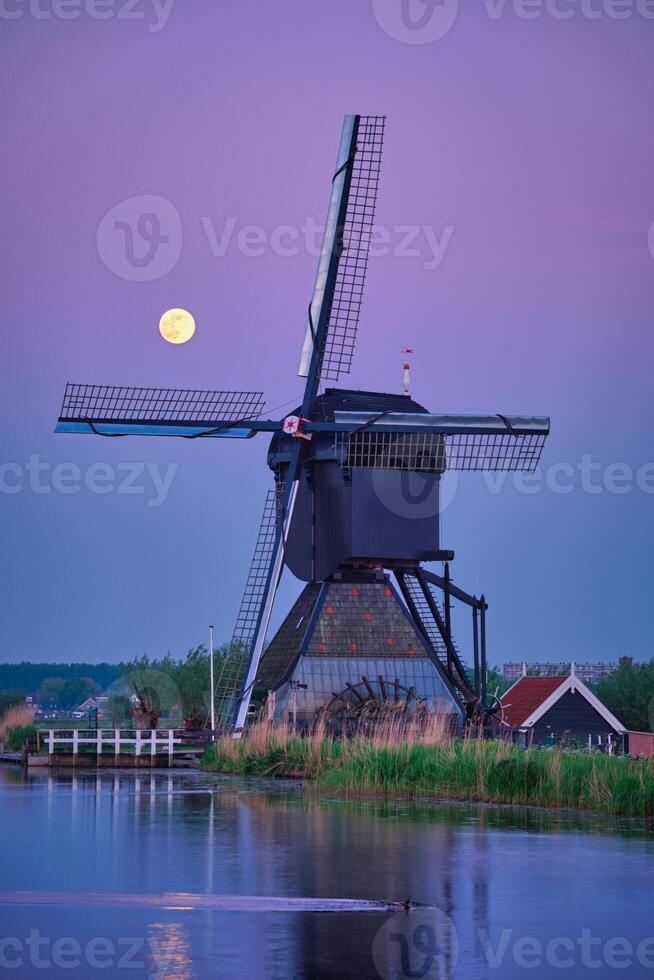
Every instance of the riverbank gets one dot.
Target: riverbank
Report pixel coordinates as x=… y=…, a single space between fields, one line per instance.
x=432 y=764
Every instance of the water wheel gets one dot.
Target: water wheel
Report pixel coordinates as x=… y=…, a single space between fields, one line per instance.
x=371 y=698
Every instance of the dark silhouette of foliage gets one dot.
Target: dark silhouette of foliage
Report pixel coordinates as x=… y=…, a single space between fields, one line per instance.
x=10 y=698
x=29 y=676
x=629 y=694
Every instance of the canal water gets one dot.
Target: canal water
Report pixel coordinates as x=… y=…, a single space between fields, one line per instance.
x=165 y=875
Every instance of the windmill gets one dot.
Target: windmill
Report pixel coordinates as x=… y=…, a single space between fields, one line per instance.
x=354 y=512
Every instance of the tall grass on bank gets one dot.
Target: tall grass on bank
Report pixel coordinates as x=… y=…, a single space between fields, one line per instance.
x=419 y=758
x=15 y=725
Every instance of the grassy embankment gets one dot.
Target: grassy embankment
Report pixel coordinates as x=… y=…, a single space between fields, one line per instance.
x=425 y=761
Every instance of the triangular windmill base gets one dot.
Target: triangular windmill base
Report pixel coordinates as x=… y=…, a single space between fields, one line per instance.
x=347 y=648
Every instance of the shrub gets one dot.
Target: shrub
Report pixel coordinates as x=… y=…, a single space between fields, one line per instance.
x=16 y=736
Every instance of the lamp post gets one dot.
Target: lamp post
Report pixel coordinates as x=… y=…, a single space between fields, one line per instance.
x=213 y=707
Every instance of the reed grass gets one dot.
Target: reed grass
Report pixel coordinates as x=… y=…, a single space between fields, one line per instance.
x=16 y=724
x=420 y=758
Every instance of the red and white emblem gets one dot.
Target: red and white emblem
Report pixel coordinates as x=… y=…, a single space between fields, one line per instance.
x=292 y=426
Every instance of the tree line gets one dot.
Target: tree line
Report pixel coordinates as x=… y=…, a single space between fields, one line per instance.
x=139 y=691
x=28 y=677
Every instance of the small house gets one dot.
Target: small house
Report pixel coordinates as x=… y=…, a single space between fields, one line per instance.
x=550 y=710
x=98 y=701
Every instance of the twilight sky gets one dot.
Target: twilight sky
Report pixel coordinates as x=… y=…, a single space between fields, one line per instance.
x=514 y=214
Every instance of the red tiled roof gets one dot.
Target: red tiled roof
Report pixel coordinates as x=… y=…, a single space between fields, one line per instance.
x=528 y=694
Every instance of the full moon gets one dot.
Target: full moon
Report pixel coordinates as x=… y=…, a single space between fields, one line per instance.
x=177 y=326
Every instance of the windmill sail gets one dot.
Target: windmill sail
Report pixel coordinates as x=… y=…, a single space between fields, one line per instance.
x=434 y=443
x=122 y=410
x=232 y=677
x=336 y=303
x=235 y=687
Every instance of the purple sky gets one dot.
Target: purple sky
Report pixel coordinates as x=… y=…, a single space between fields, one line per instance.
x=525 y=148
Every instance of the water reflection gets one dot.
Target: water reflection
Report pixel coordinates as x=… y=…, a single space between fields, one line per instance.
x=171 y=951
x=487 y=870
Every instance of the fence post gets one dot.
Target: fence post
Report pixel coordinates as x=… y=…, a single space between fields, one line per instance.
x=99 y=742
x=137 y=744
x=75 y=745
x=116 y=744
x=153 y=742
x=171 y=744
x=51 y=741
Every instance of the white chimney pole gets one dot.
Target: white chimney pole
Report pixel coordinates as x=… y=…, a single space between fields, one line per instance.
x=406 y=376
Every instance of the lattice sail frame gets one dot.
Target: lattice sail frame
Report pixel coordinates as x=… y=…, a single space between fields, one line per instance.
x=232 y=677
x=116 y=403
x=355 y=235
x=433 y=452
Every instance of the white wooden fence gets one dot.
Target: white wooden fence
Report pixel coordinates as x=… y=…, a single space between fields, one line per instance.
x=143 y=741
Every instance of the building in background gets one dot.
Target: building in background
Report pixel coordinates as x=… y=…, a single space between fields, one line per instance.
x=560 y=710
x=588 y=673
